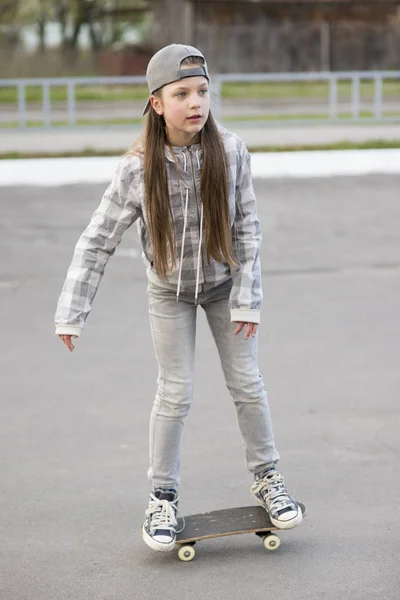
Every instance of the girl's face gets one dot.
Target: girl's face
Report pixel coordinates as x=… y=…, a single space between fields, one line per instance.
x=185 y=106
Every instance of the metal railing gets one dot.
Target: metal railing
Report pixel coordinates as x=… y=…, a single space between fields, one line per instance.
x=330 y=108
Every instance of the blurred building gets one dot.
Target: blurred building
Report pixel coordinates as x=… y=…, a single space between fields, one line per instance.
x=283 y=35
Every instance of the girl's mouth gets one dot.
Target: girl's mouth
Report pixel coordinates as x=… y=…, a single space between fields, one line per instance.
x=195 y=118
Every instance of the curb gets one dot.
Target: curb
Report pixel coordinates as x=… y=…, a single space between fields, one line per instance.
x=91 y=170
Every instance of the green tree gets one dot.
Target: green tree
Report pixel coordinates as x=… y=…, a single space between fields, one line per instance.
x=8 y=9
x=8 y=32
x=105 y=19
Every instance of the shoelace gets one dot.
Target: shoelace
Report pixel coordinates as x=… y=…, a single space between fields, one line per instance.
x=162 y=514
x=278 y=498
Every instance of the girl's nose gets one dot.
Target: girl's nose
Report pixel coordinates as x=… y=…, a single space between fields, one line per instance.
x=195 y=101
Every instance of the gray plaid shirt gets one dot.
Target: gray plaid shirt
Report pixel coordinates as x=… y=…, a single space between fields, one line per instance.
x=123 y=203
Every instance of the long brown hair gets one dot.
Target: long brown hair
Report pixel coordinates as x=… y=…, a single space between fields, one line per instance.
x=213 y=190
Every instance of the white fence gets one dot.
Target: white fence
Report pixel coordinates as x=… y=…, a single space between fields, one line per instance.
x=372 y=96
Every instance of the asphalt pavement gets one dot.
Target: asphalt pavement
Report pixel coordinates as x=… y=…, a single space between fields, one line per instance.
x=73 y=430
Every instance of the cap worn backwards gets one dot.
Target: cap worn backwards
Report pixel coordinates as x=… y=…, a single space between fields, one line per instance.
x=165 y=67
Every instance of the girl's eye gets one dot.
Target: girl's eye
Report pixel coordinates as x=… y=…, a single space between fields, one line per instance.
x=183 y=94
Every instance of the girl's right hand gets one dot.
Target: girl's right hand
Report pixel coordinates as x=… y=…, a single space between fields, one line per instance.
x=67 y=339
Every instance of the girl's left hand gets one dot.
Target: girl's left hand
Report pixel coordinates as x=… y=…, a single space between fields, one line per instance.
x=251 y=329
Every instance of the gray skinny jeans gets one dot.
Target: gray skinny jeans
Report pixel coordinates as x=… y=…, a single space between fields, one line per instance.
x=173 y=327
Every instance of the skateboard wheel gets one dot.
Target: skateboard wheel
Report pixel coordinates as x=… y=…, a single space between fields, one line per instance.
x=271 y=542
x=186 y=553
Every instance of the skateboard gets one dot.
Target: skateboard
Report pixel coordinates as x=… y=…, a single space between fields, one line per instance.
x=229 y=521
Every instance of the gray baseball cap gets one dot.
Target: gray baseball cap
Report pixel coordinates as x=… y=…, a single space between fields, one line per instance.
x=165 y=67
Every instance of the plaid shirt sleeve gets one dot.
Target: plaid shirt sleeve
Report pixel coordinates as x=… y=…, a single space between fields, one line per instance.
x=119 y=208
x=246 y=294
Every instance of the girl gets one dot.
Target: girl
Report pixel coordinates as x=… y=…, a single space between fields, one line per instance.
x=188 y=184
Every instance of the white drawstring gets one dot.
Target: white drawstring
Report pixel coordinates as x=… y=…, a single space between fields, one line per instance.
x=199 y=253
x=201 y=234
x=183 y=244
x=184 y=232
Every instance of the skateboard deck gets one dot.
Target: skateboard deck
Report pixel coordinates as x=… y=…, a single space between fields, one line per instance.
x=228 y=521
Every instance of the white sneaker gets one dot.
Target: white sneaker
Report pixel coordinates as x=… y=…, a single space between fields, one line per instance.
x=159 y=527
x=270 y=492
